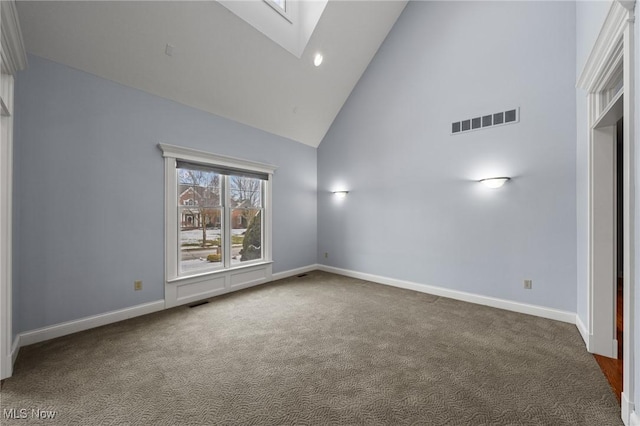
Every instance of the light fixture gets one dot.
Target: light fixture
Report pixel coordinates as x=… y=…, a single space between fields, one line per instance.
x=340 y=194
x=317 y=60
x=494 y=182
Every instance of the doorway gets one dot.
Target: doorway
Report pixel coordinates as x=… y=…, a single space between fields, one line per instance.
x=612 y=367
x=608 y=78
x=603 y=207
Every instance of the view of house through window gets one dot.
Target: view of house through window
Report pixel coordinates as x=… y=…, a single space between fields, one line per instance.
x=245 y=200
x=220 y=216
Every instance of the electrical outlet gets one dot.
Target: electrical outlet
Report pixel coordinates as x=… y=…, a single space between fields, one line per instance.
x=326 y=254
x=137 y=285
x=528 y=284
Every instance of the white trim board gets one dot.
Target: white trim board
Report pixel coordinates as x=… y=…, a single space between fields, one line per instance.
x=14 y=55
x=198 y=156
x=523 y=308
x=584 y=331
x=610 y=33
x=15 y=348
x=627 y=411
x=82 y=324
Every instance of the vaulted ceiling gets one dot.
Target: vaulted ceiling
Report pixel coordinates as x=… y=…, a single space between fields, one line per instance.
x=219 y=63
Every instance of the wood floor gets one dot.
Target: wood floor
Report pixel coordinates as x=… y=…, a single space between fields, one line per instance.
x=612 y=368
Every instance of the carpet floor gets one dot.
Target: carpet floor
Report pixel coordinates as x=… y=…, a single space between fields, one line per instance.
x=320 y=349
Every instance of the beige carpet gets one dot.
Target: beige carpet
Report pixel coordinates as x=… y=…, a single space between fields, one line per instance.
x=321 y=349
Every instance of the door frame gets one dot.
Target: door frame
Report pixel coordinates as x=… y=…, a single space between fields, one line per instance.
x=12 y=59
x=614 y=46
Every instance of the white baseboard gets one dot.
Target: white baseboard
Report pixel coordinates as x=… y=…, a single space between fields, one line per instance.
x=58 y=330
x=15 y=348
x=584 y=332
x=63 y=329
x=508 y=305
x=627 y=412
x=297 y=271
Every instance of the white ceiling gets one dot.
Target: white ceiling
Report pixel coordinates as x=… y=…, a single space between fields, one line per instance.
x=220 y=63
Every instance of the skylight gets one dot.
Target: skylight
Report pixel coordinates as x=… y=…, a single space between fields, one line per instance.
x=280 y=6
x=293 y=32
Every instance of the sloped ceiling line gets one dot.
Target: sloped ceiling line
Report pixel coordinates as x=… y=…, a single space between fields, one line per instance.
x=219 y=63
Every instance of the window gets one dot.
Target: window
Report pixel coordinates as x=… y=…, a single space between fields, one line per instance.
x=245 y=199
x=217 y=212
x=220 y=196
x=280 y=6
x=200 y=244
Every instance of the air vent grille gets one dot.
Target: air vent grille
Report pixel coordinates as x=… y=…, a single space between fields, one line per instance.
x=502 y=118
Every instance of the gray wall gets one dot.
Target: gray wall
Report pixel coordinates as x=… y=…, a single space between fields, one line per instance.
x=590 y=16
x=414 y=211
x=89 y=191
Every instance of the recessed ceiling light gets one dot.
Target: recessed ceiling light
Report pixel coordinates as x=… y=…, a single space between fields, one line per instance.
x=317 y=60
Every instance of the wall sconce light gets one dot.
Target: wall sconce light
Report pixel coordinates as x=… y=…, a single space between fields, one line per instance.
x=340 y=194
x=494 y=182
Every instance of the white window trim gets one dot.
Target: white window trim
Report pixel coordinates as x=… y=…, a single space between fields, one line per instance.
x=203 y=157
x=180 y=290
x=285 y=13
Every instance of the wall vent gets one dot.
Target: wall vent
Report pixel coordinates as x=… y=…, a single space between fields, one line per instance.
x=482 y=122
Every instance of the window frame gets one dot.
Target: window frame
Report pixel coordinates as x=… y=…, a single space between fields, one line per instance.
x=283 y=11
x=228 y=275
